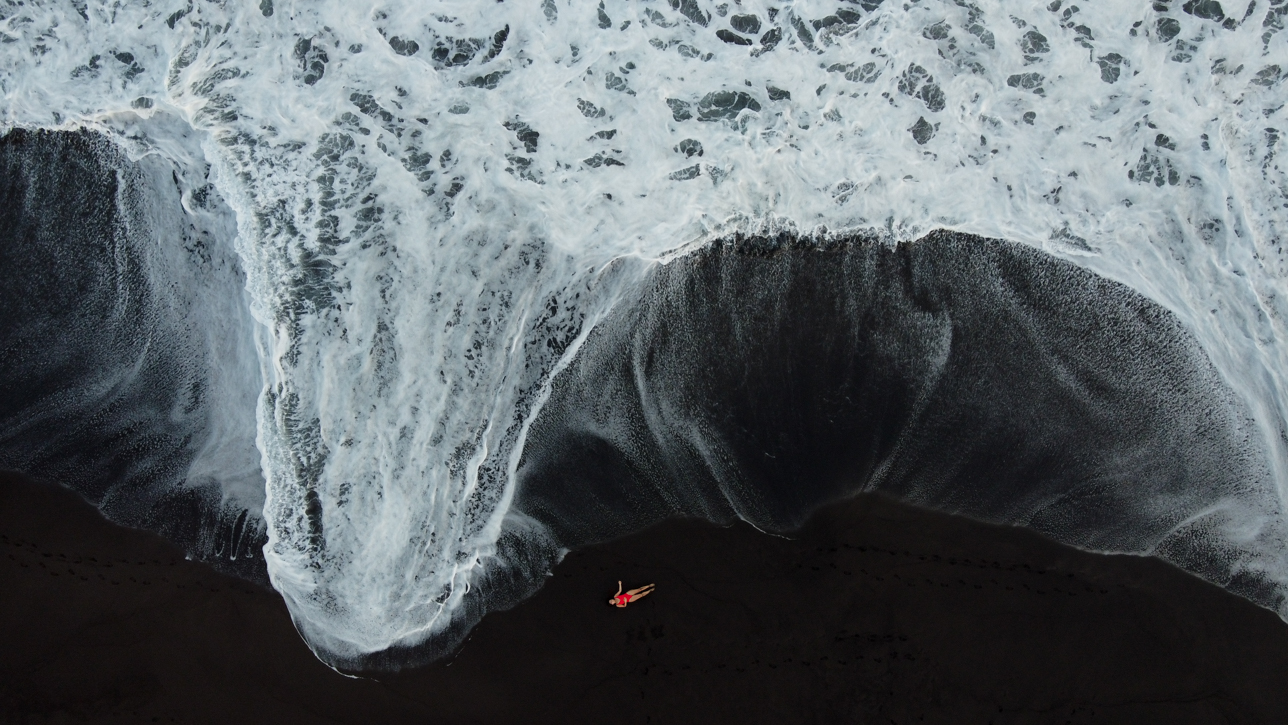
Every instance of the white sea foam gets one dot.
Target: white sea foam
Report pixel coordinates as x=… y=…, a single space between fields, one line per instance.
x=423 y=261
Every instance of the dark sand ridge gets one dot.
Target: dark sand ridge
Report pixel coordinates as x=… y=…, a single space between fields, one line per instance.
x=876 y=612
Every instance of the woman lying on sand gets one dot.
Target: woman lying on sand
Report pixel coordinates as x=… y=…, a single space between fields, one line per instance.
x=621 y=600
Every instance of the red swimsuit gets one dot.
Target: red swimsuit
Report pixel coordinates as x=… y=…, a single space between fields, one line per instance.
x=622 y=599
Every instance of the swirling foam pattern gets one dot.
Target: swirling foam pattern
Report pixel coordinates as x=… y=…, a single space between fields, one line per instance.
x=436 y=202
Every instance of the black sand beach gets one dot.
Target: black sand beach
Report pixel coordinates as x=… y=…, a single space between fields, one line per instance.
x=757 y=377
x=874 y=612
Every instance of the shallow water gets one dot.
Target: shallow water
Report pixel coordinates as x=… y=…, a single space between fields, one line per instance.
x=758 y=379
x=129 y=360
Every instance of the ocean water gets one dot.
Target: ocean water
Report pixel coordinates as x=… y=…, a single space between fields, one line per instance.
x=129 y=355
x=492 y=279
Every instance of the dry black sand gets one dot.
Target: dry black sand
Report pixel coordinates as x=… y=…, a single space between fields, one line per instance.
x=875 y=613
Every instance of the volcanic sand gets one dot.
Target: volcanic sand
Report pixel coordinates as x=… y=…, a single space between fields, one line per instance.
x=874 y=612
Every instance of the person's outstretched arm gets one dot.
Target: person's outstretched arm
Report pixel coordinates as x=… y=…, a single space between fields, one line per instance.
x=619 y=589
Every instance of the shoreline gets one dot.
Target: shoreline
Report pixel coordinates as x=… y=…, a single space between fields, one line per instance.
x=874 y=610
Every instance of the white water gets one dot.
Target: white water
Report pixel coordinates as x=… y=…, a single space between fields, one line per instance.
x=409 y=325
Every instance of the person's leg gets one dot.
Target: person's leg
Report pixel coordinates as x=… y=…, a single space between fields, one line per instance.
x=643 y=592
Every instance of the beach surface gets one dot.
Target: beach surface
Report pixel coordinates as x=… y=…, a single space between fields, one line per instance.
x=874 y=612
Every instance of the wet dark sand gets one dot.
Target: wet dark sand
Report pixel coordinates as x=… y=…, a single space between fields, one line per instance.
x=876 y=613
